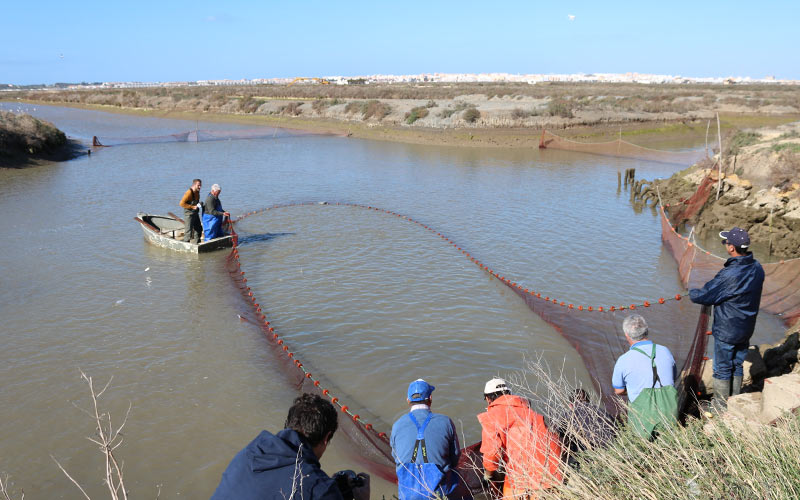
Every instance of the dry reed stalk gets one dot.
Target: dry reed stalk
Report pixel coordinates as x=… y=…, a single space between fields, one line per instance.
x=108 y=438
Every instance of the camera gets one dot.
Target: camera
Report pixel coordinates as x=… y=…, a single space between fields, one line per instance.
x=346 y=480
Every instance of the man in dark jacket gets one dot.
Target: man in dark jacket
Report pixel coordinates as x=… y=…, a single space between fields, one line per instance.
x=285 y=466
x=213 y=214
x=735 y=293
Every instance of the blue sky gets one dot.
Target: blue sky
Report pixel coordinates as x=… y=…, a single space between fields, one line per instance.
x=58 y=41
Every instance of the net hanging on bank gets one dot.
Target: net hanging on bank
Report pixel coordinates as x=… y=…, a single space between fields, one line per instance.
x=202 y=136
x=619 y=148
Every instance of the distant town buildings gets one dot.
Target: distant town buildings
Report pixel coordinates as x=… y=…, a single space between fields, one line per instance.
x=531 y=79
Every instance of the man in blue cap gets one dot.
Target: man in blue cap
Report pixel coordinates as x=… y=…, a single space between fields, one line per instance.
x=735 y=293
x=425 y=449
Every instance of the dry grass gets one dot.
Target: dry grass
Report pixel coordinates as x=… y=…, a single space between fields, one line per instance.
x=28 y=135
x=723 y=459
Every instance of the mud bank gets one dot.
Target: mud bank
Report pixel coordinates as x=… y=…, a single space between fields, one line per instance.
x=662 y=131
x=26 y=141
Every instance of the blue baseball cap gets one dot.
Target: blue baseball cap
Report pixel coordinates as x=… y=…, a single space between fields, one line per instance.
x=419 y=390
x=737 y=237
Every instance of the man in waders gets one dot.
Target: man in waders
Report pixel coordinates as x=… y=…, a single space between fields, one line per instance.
x=213 y=214
x=646 y=373
x=516 y=441
x=425 y=449
x=735 y=293
x=191 y=216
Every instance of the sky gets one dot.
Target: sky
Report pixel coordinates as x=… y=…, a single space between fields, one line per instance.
x=174 y=40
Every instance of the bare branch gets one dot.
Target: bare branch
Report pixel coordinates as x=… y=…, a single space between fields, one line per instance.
x=70 y=477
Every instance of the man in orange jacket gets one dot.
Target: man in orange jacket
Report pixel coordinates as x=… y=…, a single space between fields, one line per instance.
x=516 y=440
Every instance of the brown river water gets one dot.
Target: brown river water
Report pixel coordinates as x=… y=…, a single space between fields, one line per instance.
x=369 y=301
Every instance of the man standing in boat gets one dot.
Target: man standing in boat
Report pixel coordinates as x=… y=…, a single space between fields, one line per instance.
x=213 y=214
x=191 y=216
x=735 y=293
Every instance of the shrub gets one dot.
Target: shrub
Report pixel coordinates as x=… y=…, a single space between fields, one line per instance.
x=521 y=114
x=471 y=115
x=293 y=109
x=375 y=109
x=28 y=135
x=416 y=113
x=248 y=105
x=559 y=107
x=352 y=107
x=431 y=104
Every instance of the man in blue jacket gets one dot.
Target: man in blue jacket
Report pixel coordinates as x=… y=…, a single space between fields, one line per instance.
x=438 y=447
x=735 y=293
x=285 y=466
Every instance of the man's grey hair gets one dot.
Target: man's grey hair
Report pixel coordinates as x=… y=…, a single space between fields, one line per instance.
x=635 y=327
x=215 y=187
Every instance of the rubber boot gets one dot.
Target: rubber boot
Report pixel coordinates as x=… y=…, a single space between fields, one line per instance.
x=736 y=388
x=722 y=391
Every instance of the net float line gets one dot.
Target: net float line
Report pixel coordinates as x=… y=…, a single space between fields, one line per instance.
x=596 y=337
x=567 y=304
x=235 y=270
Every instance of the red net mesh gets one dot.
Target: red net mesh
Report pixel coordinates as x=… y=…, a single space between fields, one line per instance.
x=696 y=266
x=619 y=148
x=692 y=206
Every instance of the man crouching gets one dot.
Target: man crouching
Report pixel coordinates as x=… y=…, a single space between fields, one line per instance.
x=286 y=465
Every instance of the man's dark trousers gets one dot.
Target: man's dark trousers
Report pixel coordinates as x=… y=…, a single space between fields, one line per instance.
x=192 y=228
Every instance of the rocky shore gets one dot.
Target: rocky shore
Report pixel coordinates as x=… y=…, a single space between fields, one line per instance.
x=26 y=141
x=758 y=185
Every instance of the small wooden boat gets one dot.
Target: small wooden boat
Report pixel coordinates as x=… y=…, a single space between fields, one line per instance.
x=167 y=232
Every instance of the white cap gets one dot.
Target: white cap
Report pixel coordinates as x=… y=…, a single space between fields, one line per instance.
x=495 y=385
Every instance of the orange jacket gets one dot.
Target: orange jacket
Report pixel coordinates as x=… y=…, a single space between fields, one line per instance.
x=190 y=199
x=516 y=438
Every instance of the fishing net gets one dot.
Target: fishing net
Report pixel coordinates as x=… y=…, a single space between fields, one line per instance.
x=781 y=293
x=202 y=136
x=594 y=331
x=620 y=148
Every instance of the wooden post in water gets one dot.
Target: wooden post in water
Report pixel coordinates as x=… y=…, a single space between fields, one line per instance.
x=619 y=180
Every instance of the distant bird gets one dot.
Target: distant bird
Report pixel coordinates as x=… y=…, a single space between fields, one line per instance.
x=570 y=17
x=61 y=56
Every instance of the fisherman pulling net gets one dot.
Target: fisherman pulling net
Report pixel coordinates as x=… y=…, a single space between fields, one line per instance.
x=594 y=330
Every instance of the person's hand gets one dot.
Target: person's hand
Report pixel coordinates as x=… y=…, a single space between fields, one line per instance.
x=362 y=492
x=226 y=214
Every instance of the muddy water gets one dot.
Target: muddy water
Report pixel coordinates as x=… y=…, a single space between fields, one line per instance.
x=369 y=301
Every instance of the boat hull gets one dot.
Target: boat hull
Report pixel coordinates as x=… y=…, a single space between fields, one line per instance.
x=166 y=232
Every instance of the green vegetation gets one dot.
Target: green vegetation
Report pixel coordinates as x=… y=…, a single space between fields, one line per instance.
x=559 y=107
x=792 y=147
x=740 y=140
x=471 y=115
x=415 y=114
